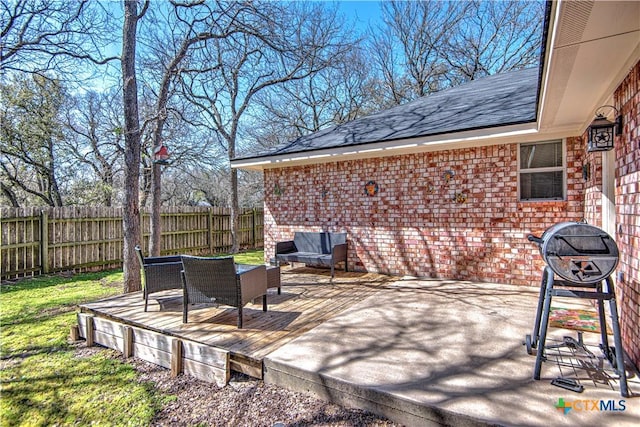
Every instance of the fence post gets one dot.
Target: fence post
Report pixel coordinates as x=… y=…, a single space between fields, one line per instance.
x=210 y=230
x=254 y=223
x=145 y=250
x=44 y=242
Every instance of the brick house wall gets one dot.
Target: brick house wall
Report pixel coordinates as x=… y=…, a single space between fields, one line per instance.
x=414 y=225
x=627 y=195
x=627 y=151
x=593 y=190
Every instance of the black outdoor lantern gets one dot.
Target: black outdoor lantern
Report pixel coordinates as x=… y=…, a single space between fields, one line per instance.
x=161 y=155
x=602 y=131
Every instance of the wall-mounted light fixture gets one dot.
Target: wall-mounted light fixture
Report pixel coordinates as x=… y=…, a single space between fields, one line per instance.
x=601 y=132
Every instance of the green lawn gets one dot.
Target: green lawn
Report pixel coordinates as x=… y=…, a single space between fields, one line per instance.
x=252 y=257
x=42 y=381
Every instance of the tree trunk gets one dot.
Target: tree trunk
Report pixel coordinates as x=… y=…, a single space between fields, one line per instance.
x=145 y=187
x=54 y=189
x=155 y=227
x=107 y=190
x=131 y=216
x=235 y=212
x=10 y=195
x=235 y=205
x=155 y=240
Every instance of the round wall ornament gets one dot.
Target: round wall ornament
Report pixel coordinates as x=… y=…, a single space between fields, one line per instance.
x=430 y=187
x=460 y=197
x=371 y=188
x=448 y=175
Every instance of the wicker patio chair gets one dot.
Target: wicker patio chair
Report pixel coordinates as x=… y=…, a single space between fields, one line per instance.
x=207 y=280
x=159 y=274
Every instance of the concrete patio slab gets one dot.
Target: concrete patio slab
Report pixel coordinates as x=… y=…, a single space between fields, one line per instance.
x=425 y=352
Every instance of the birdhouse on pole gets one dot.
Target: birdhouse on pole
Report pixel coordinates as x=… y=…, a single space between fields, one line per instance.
x=161 y=155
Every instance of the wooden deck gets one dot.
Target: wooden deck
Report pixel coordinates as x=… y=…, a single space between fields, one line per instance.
x=307 y=300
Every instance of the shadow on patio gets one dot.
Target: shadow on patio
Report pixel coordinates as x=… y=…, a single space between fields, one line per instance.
x=445 y=352
x=420 y=352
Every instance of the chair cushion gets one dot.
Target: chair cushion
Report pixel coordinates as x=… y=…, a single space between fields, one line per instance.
x=318 y=243
x=307 y=258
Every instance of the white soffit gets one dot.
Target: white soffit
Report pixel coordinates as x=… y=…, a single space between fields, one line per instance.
x=595 y=44
x=489 y=136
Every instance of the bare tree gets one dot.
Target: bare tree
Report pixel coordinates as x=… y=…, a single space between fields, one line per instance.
x=94 y=144
x=30 y=131
x=190 y=146
x=407 y=47
x=334 y=95
x=494 y=37
x=52 y=38
x=191 y=25
x=213 y=185
x=131 y=217
x=8 y=193
x=279 y=42
x=426 y=46
x=250 y=189
x=42 y=35
x=208 y=185
x=387 y=60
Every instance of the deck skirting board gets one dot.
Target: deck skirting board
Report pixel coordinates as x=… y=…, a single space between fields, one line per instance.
x=370 y=398
x=204 y=362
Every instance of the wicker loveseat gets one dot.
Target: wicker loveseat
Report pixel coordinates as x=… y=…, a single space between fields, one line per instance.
x=321 y=248
x=159 y=273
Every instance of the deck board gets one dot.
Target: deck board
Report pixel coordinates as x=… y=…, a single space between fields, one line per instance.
x=308 y=299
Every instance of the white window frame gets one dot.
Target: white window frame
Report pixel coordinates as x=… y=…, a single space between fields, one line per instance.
x=562 y=168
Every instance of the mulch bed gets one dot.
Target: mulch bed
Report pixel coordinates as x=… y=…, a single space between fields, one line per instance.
x=244 y=401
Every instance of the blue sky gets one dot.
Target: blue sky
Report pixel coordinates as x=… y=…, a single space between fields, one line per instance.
x=361 y=12
x=357 y=12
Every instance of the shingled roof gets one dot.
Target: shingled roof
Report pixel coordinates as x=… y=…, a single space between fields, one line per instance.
x=494 y=101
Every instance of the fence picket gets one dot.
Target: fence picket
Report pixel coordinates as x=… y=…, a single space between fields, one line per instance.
x=41 y=240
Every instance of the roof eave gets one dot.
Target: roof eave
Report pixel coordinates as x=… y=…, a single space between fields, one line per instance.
x=463 y=139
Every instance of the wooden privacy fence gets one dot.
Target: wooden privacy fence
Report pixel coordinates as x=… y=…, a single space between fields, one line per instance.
x=45 y=240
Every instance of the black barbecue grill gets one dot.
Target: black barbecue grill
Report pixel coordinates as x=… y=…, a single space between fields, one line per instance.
x=578 y=252
x=583 y=257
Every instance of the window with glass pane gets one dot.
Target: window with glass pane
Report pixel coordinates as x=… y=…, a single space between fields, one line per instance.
x=542 y=171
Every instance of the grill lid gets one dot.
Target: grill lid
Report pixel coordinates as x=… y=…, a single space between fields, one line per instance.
x=578 y=252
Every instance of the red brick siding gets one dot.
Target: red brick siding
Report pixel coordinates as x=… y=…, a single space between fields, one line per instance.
x=593 y=191
x=627 y=149
x=413 y=226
